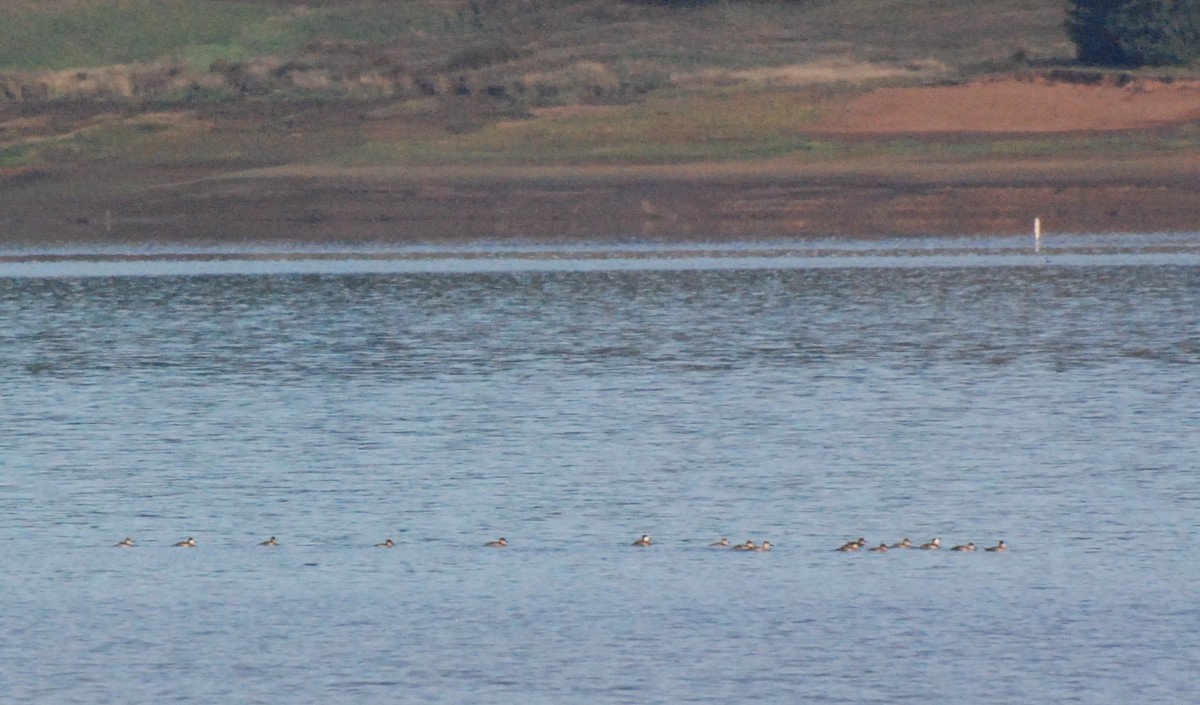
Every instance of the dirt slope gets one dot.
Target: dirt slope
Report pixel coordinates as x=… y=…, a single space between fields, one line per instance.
x=1035 y=105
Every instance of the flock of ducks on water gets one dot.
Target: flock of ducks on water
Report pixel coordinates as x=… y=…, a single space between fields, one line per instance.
x=748 y=546
x=645 y=540
x=933 y=545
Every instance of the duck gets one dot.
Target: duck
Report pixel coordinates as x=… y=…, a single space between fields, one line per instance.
x=386 y=544
x=853 y=545
x=934 y=544
x=968 y=547
x=723 y=543
x=189 y=542
x=269 y=542
x=998 y=547
x=881 y=548
x=127 y=543
x=643 y=541
x=764 y=546
x=498 y=543
x=906 y=543
x=748 y=546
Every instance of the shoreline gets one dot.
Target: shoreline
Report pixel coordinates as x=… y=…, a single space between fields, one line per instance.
x=695 y=203
x=976 y=159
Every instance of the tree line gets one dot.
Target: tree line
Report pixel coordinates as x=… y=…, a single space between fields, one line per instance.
x=1132 y=33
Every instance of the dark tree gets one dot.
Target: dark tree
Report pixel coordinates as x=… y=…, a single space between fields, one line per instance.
x=1135 y=32
x=1088 y=25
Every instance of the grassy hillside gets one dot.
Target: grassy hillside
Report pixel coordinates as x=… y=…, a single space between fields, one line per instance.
x=253 y=82
x=731 y=34
x=520 y=52
x=103 y=101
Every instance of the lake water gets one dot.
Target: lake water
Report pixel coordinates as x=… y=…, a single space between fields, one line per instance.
x=571 y=400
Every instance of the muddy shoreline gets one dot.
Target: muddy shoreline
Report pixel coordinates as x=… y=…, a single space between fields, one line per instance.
x=983 y=158
x=672 y=204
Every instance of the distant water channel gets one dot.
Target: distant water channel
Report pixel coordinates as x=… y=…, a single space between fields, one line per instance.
x=571 y=400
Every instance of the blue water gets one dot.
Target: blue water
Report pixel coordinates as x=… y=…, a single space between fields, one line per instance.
x=571 y=401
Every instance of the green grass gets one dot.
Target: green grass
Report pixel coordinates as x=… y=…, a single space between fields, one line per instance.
x=381 y=23
x=18 y=155
x=427 y=154
x=103 y=142
x=642 y=60
x=750 y=125
x=105 y=32
x=733 y=35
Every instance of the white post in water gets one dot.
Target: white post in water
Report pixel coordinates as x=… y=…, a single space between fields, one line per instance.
x=1037 y=234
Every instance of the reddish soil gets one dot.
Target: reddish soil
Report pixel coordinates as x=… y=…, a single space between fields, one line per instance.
x=1019 y=106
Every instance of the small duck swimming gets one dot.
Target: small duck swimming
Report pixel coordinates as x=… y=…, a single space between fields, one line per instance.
x=386 y=544
x=906 y=543
x=127 y=543
x=498 y=543
x=269 y=542
x=643 y=541
x=932 y=545
x=723 y=543
x=998 y=547
x=881 y=548
x=189 y=542
x=764 y=546
x=968 y=547
x=853 y=545
x=748 y=546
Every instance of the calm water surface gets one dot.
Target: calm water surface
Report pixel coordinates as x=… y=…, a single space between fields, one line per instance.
x=571 y=404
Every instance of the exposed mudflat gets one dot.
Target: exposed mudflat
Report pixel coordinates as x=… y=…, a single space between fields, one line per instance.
x=1135 y=190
